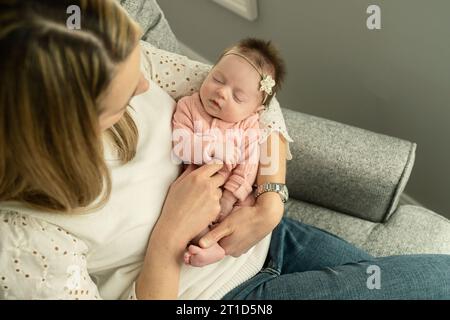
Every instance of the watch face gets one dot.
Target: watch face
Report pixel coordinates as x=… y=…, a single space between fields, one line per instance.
x=282 y=191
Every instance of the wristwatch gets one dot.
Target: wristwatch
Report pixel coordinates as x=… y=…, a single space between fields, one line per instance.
x=279 y=188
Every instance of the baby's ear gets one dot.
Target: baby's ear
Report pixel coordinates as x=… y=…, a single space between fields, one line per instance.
x=260 y=108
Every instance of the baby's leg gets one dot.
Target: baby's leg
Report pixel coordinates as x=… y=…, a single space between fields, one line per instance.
x=248 y=202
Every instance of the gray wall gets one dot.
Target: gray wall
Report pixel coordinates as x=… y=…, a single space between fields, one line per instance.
x=394 y=81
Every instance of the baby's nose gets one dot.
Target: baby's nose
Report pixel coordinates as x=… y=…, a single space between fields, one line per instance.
x=221 y=93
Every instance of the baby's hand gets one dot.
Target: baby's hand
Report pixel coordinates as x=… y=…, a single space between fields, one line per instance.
x=226 y=204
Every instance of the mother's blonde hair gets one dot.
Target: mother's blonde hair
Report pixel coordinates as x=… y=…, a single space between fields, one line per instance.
x=52 y=79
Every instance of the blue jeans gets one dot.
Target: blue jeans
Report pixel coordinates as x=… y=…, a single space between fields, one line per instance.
x=305 y=262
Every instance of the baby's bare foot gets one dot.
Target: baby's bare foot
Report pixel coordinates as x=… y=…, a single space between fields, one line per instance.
x=187 y=257
x=190 y=253
x=199 y=257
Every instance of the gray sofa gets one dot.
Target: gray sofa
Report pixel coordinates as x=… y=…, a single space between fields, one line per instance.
x=342 y=179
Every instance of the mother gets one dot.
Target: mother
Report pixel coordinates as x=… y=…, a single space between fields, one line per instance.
x=90 y=203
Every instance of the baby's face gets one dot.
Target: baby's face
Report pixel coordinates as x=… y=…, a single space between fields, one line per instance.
x=231 y=90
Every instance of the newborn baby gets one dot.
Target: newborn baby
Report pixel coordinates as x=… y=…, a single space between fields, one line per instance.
x=221 y=123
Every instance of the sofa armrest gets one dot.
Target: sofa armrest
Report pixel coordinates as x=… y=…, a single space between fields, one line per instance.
x=410 y=230
x=346 y=169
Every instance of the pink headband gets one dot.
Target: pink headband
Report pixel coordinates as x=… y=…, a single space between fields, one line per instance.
x=266 y=83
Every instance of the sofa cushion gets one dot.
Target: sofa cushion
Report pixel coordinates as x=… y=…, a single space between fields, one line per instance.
x=346 y=169
x=156 y=29
x=410 y=230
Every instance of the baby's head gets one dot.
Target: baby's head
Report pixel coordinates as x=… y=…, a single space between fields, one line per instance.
x=233 y=90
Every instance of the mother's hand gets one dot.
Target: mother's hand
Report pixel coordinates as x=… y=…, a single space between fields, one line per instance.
x=192 y=203
x=246 y=226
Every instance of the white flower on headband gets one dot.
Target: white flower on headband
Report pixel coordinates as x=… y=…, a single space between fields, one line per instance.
x=267 y=84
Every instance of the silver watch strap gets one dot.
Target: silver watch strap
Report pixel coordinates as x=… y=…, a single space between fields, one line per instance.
x=279 y=188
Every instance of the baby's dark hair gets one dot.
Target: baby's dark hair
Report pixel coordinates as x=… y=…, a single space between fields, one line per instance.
x=265 y=56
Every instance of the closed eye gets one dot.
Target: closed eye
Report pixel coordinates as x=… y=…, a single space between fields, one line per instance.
x=237 y=99
x=217 y=80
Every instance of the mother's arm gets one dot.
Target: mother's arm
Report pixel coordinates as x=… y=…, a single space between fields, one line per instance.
x=192 y=202
x=274 y=170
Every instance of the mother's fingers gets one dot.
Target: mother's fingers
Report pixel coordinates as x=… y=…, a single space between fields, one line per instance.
x=219 y=193
x=189 y=169
x=217 y=180
x=210 y=169
x=208 y=173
